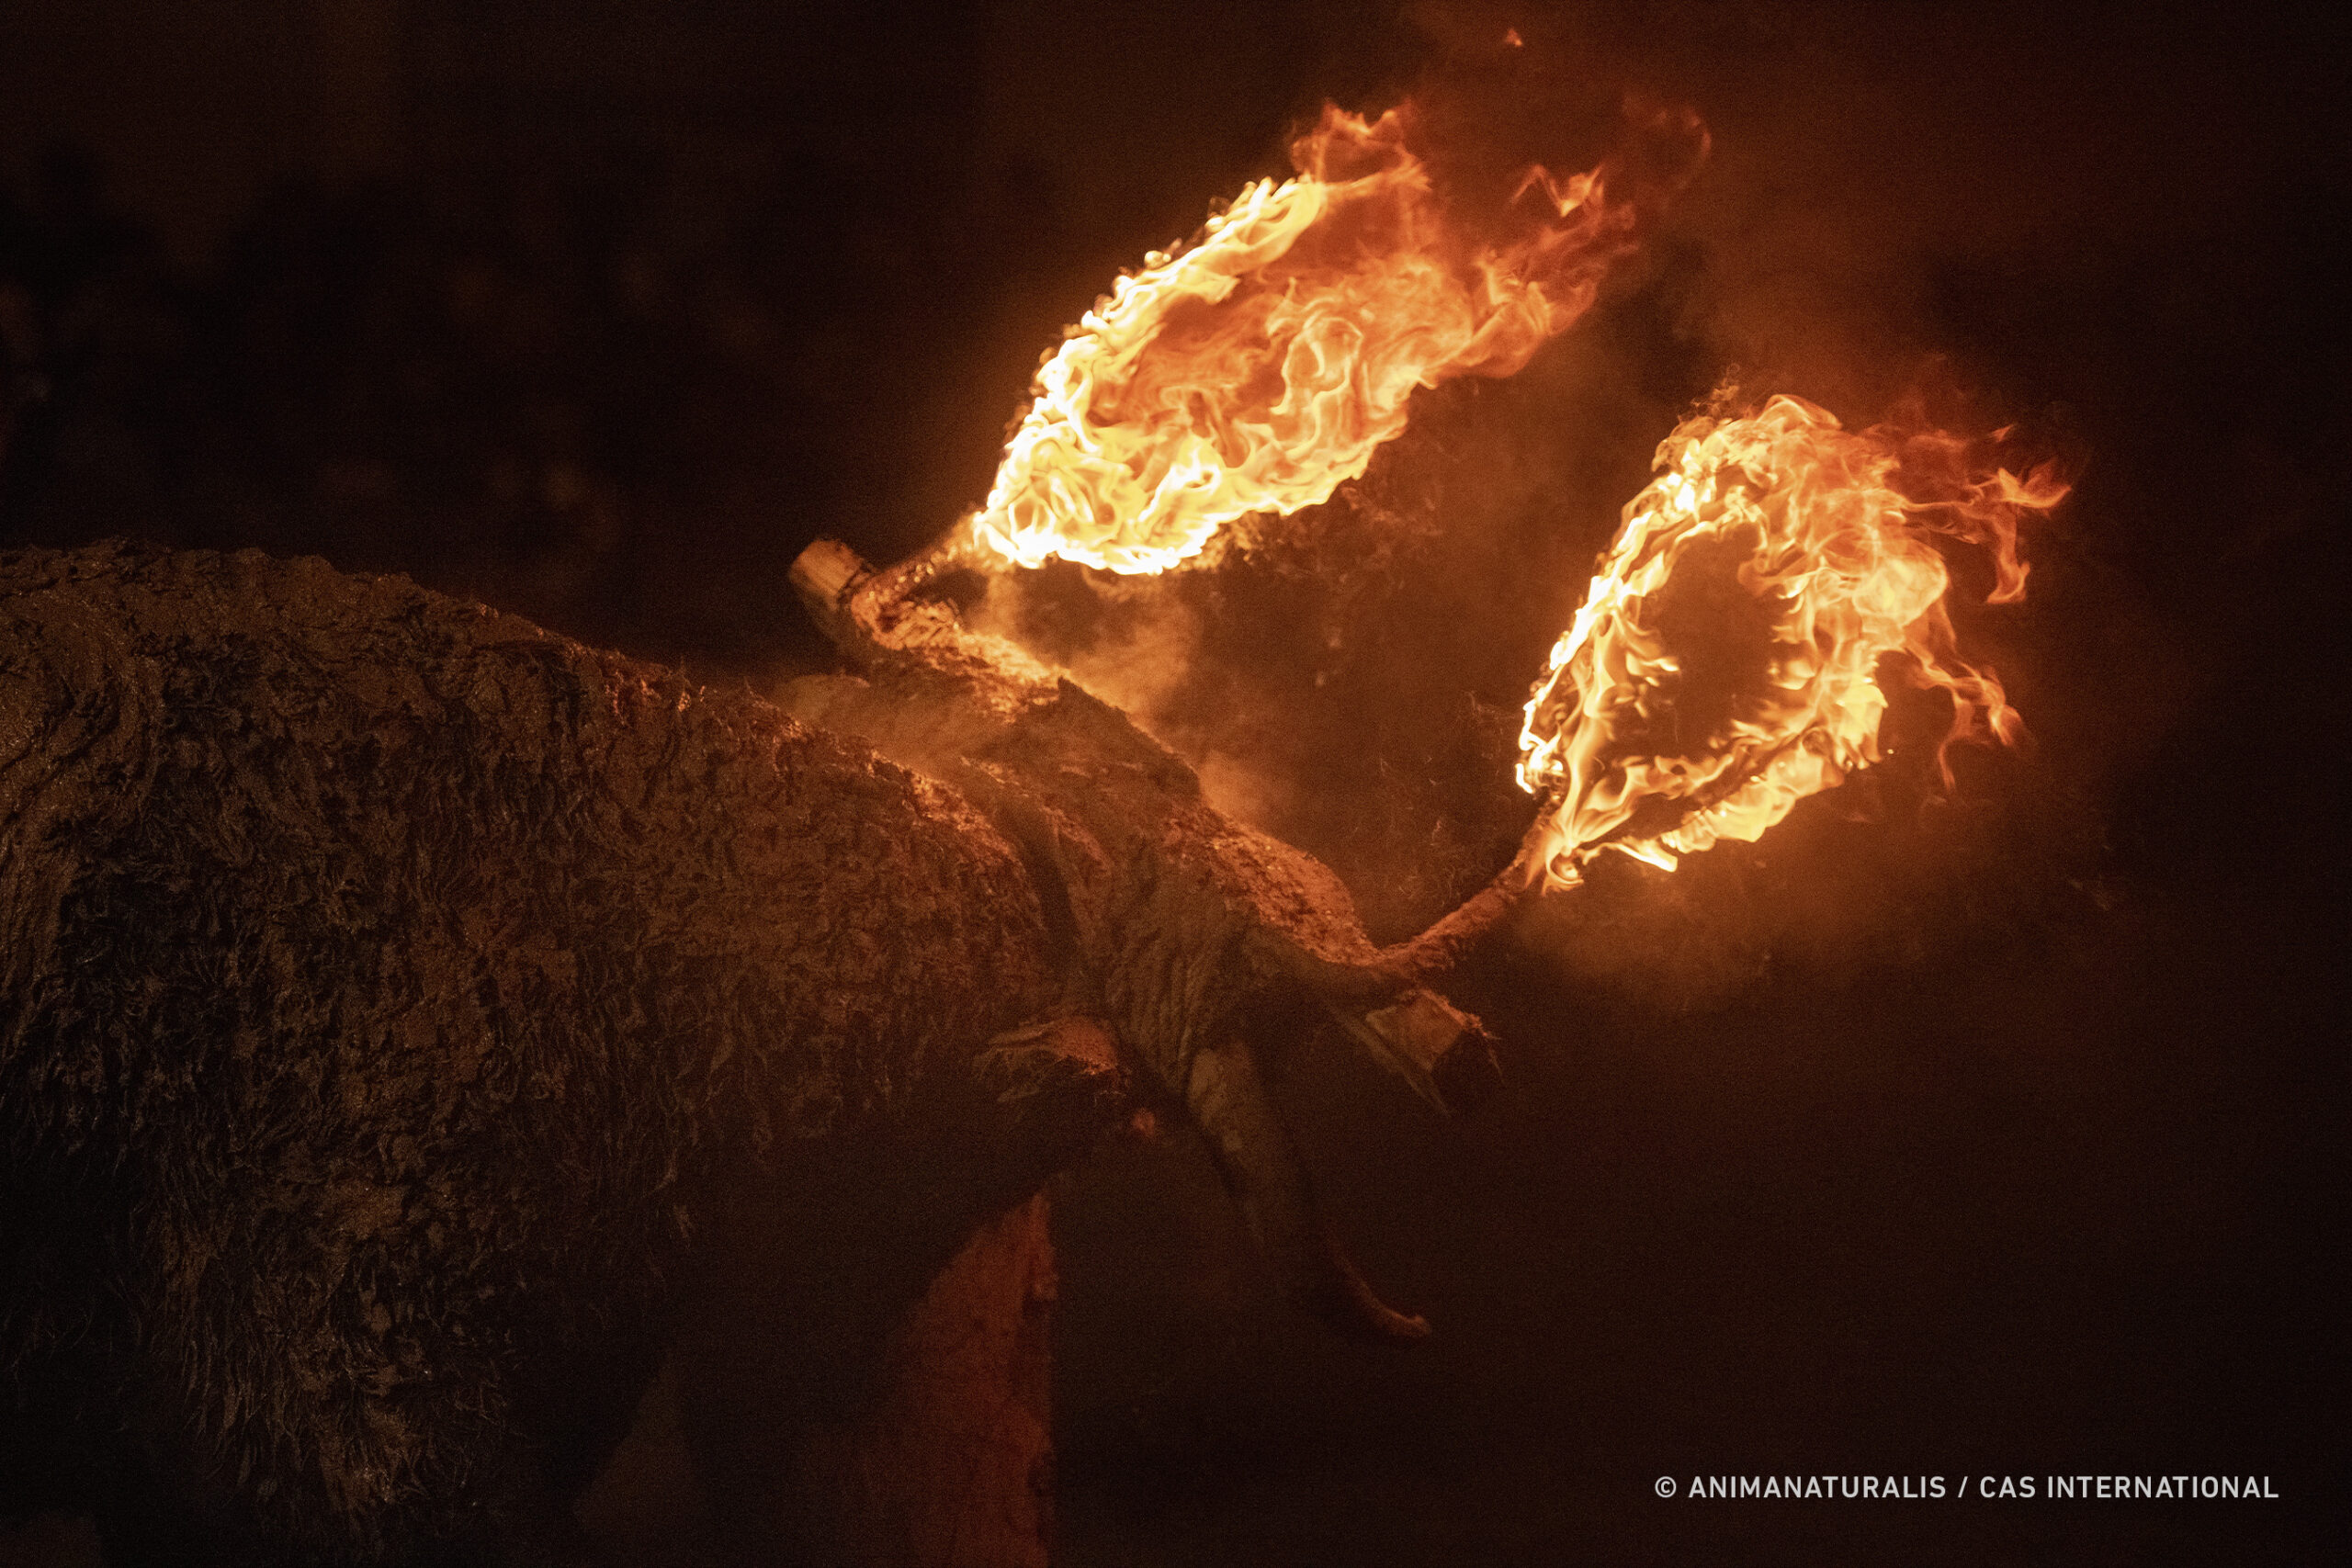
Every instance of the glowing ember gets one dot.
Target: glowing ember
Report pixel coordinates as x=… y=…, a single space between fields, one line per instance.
x=1258 y=369
x=1778 y=551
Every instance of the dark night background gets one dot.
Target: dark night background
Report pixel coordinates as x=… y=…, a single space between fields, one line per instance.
x=2000 y=1135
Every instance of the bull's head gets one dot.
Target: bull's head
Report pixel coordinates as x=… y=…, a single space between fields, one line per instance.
x=1200 y=941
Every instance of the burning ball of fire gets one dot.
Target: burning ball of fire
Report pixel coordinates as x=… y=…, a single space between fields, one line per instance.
x=1724 y=664
x=1258 y=369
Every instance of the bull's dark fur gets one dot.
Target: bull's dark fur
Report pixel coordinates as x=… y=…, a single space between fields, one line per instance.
x=400 y=1008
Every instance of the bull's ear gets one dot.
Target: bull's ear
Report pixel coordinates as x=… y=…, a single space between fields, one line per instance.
x=1444 y=1055
x=1441 y=1053
x=1060 y=1080
x=1040 y=1097
x=1254 y=1155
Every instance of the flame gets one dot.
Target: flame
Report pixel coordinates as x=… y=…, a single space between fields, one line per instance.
x=1837 y=571
x=1257 y=369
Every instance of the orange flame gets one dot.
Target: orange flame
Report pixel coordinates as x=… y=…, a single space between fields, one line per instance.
x=1258 y=369
x=1836 y=571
